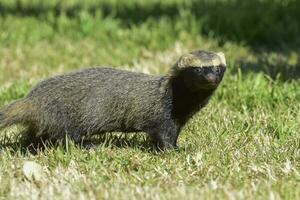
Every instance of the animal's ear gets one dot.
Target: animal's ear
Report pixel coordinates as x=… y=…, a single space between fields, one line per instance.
x=222 y=58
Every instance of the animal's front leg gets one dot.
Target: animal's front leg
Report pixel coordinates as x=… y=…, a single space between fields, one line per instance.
x=165 y=135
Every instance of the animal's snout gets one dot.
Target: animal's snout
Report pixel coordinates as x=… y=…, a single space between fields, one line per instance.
x=212 y=78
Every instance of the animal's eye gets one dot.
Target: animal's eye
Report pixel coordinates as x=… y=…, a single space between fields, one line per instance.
x=198 y=70
x=218 y=70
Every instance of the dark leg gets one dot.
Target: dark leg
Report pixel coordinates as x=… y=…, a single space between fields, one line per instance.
x=165 y=135
x=31 y=142
x=28 y=137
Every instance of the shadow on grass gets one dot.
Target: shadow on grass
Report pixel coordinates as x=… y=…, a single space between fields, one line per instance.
x=275 y=65
x=26 y=145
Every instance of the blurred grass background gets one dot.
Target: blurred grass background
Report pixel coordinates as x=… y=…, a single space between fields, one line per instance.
x=125 y=29
x=245 y=144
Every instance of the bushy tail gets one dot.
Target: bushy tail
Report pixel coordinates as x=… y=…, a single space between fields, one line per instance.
x=18 y=112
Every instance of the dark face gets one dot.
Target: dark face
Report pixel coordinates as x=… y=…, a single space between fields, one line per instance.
x=201 y=70
x=207 y=78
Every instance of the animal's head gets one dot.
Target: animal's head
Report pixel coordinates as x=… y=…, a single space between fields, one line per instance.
x=201 y=69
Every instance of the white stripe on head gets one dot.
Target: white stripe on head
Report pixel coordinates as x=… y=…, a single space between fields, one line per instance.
x=190 y=60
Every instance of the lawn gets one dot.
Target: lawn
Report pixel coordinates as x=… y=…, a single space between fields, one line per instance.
x=244 y=145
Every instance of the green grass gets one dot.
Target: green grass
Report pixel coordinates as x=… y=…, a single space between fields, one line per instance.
x=244 y=145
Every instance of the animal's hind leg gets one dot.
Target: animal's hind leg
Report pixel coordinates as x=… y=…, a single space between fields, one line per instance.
x=31 y=138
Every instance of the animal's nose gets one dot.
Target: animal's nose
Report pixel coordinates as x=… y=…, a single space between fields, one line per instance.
x=211 y=78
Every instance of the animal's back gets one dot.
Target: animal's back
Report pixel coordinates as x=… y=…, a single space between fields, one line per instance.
x=96 y=100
